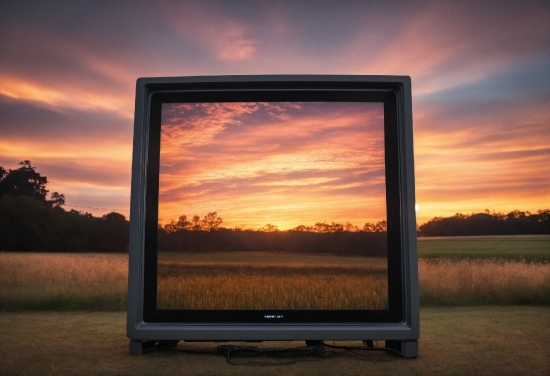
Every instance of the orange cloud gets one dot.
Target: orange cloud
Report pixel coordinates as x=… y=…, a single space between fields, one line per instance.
x=54 y=97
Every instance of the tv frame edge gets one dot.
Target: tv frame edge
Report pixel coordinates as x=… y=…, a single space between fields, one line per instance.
x=401 y=336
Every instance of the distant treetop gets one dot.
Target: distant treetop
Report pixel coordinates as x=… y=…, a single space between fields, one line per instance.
x=25 y=181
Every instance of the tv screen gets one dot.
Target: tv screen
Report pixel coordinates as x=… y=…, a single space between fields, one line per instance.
x=273 y=202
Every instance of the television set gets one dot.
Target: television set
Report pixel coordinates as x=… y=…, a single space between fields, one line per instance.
x=273 y=208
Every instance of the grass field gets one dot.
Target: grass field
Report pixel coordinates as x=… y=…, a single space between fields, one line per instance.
x=270 y=281
x=482 y=281
x=49 y=281
x=494 y=340
x=513 y=247
x=41 y=281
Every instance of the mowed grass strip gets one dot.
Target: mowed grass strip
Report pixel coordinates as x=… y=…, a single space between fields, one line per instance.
x=491 y=340
x=532 y=248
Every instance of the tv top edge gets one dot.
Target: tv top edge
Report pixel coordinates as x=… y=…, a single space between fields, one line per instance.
x=280 y=78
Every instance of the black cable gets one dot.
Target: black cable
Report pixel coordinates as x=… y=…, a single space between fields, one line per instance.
x=232 y=352
x=245 y=352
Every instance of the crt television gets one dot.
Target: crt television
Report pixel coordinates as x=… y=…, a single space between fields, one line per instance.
x=273 y=207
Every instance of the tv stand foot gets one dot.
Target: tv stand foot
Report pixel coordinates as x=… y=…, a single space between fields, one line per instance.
x=407 y=349
x=369 y=343
x=318 y=345
x=138 y=347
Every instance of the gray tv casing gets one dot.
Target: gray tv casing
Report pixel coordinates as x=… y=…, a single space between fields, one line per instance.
x=406 y=332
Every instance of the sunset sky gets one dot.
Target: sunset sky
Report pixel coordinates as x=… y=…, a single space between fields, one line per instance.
x=284 y=164
x=480 y=76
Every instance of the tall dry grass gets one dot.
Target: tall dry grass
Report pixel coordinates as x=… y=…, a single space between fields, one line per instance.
x=480 y=282
x=284 y=291
x=63 y=281
x=272 y=285
x=36 y=281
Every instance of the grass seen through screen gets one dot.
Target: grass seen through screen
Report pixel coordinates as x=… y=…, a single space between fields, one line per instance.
x=271 y=281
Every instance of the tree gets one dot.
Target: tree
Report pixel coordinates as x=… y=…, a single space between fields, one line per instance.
x=321 y=227
x=381 y=226
x=211 y=221
x=350 y=227
x=335 y=227
x=270 y=228
x=369 y=227
x=57 y=200
x=196 y=223
x=114 y=216
x=183 y=223
x=171 y=227
x=24 y=181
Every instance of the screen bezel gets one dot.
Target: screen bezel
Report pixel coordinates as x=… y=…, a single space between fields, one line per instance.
x=276 y=92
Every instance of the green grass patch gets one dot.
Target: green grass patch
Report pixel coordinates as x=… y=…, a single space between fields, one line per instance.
x=532 y=248
x=507 y=340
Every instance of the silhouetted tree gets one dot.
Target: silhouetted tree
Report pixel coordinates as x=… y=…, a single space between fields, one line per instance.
x=113 y=216
x=270 y=228
x=57 y=200
x=24 y=181
x=170 y=227
x=211 y=221
x=350 y=227
x=488 y=223
x=321 y=227
x=196 y=223
x=369 y=227
x=381 y=226
x=30 y=222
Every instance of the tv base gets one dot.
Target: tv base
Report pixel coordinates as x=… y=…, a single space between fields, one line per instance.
x=406 y=349
x=138 y=347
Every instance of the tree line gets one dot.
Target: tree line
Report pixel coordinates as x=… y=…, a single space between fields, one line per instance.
x=489 y=223
x=32 y=220
x=212 y=222
x=231 y=240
